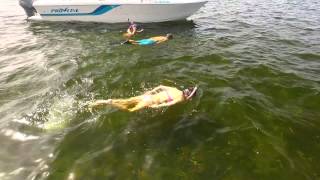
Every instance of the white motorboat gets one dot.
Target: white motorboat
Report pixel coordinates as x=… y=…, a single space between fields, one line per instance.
x=111 y=11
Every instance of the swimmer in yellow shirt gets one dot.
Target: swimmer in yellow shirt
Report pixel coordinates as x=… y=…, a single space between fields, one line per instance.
x=149 y=41
x=160 y=96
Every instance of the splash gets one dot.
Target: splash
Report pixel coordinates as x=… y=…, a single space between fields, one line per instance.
x=54 y=113
x=61 y=113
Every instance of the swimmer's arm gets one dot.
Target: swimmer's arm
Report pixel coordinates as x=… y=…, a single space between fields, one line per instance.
x=128 y=31
x=100 y=103
x=159 y=39
x=131 y=32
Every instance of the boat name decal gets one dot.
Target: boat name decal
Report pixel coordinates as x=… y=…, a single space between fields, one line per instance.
x=76 y=12
x=64 y=10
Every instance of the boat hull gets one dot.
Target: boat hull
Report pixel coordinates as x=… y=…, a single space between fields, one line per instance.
x=117 y=13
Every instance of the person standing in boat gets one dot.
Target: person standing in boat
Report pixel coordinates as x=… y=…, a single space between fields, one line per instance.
x=160 y=96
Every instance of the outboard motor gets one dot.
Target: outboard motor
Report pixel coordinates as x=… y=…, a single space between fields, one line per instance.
x=28 y=7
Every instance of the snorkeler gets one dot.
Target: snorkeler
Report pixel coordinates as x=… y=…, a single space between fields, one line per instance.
x=132 y=30
x=160 y=96
x=150 y=41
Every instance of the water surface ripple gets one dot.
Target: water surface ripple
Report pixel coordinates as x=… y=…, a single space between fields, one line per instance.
x=256 y=116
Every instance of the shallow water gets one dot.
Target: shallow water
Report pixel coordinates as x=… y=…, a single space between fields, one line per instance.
x=256 y=115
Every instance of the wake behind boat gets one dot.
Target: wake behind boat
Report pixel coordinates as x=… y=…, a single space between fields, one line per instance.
x=111 y=11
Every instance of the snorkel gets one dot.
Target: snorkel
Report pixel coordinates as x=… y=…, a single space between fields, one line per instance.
x=187 y=94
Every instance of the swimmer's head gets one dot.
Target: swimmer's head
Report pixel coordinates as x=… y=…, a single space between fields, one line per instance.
x=189 y=92
x=132 y=25
x=169 y=36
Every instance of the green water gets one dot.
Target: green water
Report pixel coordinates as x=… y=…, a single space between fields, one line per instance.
x=256 y=114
